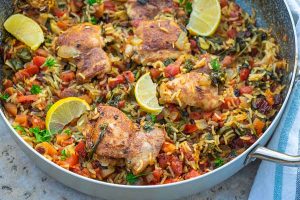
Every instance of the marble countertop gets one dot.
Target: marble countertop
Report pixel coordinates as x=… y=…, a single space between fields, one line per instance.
x=21 y=179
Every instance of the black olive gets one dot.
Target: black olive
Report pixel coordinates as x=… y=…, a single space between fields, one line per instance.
x=143 y=2
x=264 y=36
x=237 y=92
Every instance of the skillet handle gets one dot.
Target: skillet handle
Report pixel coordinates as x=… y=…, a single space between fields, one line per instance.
x=273 y=156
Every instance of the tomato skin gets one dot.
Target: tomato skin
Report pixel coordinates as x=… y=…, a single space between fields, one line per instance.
x=246 y=90
x=190 y=128
x=72 y=160
x=121 y=104
x=58 y=12
x=113 y=82
x=172 y=70
x=223 y=3
x=108 y=5
x=193 y=44
x=38 y=60
x=155 y=73
x=67 y=76
x=129 y=76
x=62 y=25
x=176 y=165
x=191 y=174
x=80 y=149
x=157 y=174
x=27 y=99
x=244 y=74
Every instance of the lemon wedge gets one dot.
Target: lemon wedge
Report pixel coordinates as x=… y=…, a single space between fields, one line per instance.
x=145 y=94
x=205 y=17
x=63 y=112
x=25 y=29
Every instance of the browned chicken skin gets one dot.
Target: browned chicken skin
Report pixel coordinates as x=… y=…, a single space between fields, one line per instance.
x=191 y=89
x=121 y=139
x=138 y=11
x=115 y=142
x=159 y=41
x=85 y=41
x=144 y=148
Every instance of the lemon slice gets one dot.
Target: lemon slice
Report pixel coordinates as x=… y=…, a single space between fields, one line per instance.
x=145 y=94
x=64 y=111
x=205 y=17
x=25 y=29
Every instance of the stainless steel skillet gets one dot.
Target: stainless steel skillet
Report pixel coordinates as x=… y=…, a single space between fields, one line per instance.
x=271 y=14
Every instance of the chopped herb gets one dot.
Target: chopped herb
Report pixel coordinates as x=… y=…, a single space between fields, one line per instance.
x=188 y=7
x=148 y=126
x=48 y=106
x=219 y=162
x=168 y=61
x=41 y=135
x=4 y=96
x=67 y=131
x=215 y=64
x=50 y=62
x=153 y=118
x=17 y=63
x=94 y=20
x=19 y=128
x=92 y=2
x=218 y=77
x=188 y=65
x=24 y=54
x=132 y=179
x=103 y=128
x=35 y=89
x=143 y=2
x=63 y=155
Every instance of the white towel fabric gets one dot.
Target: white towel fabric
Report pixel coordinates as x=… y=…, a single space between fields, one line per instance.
x=275 y=181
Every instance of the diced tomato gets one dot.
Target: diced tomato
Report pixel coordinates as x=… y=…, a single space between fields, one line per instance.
x=244 y=74
x=231 y=33
x=121 y=104
x=258 y=126
x=195 y=115
x=246 y=90
x=27 y=99
x=227 y=61
x=67 y=76
x=171 y=180
x=37 y=122
x=223 y=3
x=190 y=128
x=176 y=165
x=22 y=120
x=72 y=160
x=230 y=102
x=207 y=115
x=80 y=149
x=163 y=160
x=113 y=82
x=172 y=70
x=109 y=5
x=63 y=25
x=58 y=12
x=11 y=108
x=99 y=10
x=129 y=76
x=193 y=44
x=155 y=73
x=38 y=60
x=191 y=174
x=157 y=174
x=7 y=83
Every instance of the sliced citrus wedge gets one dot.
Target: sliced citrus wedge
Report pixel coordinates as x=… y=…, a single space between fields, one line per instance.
x=63 y=112
x=145 y=94
x=205 y=17
x=25 y=29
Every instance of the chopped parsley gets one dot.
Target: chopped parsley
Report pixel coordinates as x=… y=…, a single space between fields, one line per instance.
x=48 y=106
x=168 y=61
x=4 y=96
x=50 y=62
x=41 y=135
x=219 y=162
x=63 y=155
x=67 y=131
x=93 y=20
x=132 y=179
x=148 y=126
x=92 y=2
x=187 y=5
x=188 y=65
x=19 y=128
x=153 y=118
x=215 y=64
x=35 y=89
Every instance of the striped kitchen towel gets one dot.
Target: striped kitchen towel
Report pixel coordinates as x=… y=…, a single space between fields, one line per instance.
x=275 y=181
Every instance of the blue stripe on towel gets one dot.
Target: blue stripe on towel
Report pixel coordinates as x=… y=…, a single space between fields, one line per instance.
x=289 y=118
x=297 y=196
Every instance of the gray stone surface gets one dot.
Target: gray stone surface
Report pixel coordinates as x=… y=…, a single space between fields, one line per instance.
x=21 y=179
